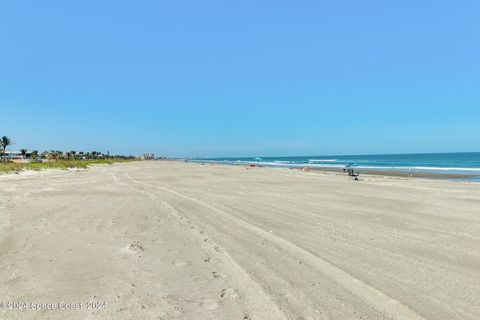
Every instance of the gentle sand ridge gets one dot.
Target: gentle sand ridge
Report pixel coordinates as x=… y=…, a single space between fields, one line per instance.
x=172 y=240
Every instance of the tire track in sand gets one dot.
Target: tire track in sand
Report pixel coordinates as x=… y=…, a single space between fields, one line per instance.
x=388 y=306
x=258 y=302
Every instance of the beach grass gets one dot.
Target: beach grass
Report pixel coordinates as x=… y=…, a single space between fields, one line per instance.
x=60 y=164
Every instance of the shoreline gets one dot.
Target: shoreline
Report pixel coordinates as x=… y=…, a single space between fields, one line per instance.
x=402 y=174
x=460 y=177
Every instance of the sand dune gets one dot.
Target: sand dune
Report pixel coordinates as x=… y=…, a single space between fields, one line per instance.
x=172 y=240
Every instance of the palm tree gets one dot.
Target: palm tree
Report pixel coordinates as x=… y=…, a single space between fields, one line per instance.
x=4 y=143
x=73 y=153
x=34 y=155
x=55 y=154
x=23 y=152
x=51 y=155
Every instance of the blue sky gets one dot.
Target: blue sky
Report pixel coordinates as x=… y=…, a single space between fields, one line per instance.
x=241 y=78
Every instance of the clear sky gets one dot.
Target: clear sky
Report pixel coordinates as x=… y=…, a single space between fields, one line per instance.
x=241 y=78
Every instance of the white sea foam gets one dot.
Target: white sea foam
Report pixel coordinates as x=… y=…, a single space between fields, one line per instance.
x=322 y=160
x=329 y=164
x=293 y=164
x=420 y=168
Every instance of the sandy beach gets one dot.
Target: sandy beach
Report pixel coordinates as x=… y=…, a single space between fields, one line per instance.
x=173 y=240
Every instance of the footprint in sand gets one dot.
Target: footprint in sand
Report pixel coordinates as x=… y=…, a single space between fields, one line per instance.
x=217 y=275
x=136 y=248
x=174 y=305
x=229 y=294
x=133 y=248
x=209 y=304
x=180 y=263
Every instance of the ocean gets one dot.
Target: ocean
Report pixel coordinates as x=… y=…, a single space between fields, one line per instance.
x=455 y=163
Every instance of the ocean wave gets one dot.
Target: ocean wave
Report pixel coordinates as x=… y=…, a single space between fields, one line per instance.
x=329 y=164
x=322 y=160
x=285 y=162
x=420 y=168
x=292 y=164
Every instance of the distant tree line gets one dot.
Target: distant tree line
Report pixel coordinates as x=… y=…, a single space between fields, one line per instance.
x=54 y=155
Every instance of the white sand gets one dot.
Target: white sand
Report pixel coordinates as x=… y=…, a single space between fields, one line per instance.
x=170 y=240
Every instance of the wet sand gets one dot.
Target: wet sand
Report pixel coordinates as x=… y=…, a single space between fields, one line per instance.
x=173 y=240
x=406 y=174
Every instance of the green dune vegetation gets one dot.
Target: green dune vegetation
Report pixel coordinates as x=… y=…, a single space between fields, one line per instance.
x=53 y=159
x=60 y=164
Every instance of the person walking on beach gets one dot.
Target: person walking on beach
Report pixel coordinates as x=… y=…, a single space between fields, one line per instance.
x=410 y=173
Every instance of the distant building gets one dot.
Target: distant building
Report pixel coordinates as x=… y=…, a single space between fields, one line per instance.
x=43 y=155
x=11 y=155
x=15 y=156
x=149 y=156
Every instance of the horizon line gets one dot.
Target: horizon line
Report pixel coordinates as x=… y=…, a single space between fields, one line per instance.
x=332 y=155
